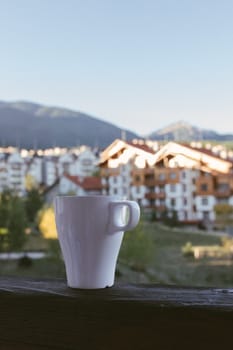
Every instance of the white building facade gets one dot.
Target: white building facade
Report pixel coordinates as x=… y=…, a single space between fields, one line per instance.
x=175 y=179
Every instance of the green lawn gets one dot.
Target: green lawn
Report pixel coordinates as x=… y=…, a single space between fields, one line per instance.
x=51 y=266
x=167 y=265
x=151 y=253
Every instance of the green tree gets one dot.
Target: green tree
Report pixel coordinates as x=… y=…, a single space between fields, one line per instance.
x=13 y=221
x=33 y=203
x=17 y=223
x=5 y=200
x=5 y=197
x=137 y=248
x=153 y=216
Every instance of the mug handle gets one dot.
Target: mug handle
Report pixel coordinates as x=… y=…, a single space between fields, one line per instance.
x=115 y=210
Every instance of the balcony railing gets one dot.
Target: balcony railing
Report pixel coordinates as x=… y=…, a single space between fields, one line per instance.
x=222 y=193
x=48 y=315
x=154 y=195
x=110 y=171
x=159 y=182
x=149 y=182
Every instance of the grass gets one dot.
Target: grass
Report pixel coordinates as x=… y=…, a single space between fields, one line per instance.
x=49 y=267
x=42 y=268
x=150 y=254
x=168 y=265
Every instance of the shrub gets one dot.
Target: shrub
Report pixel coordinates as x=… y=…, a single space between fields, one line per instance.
x=187 y=250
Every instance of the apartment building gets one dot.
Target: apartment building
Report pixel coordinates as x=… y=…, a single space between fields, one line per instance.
x=44 y=167
x=3 y=172
x=50 y=170
x=80 y=186
x=34 y=168
x=87 y=162
x=82 y=163
x=15 y=168
x=176 y=178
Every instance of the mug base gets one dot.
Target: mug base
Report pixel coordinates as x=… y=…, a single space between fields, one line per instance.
x=89 y=287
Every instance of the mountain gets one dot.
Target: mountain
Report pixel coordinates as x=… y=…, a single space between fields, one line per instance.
x=183 y=131
x=26 y=124
x=29 y=125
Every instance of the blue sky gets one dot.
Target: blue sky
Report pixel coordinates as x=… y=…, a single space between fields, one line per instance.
x=139 y=64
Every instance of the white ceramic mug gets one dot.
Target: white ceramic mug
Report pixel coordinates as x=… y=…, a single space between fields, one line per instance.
x=90 y=231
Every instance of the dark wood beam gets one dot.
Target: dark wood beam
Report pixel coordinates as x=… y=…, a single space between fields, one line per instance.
x=46 y=314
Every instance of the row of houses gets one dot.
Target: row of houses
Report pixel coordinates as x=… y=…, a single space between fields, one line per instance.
x=178 y=178
x=184 y=179
x=45 y=170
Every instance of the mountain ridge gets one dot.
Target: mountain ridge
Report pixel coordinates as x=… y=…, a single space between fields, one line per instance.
x=184 y=131
x=53 y=126
x=29 y=125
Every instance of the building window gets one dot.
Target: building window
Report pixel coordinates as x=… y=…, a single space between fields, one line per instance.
x=161 y=189
x=207 y=174
x=183 y=174
x=137 y=178
x=204 y=187
x=149 y=177
x=173 y=202
x=184 y=187
x=185 y=201
x=151 y=189
x=172 y=176
x=172 y=188
x=223 y=187
x=124 y=190
x=124 y=179
x=66 y=168
x=86 y=162
x=16 y=167
x=123 y=168
x=204 y=201
x=161 y=176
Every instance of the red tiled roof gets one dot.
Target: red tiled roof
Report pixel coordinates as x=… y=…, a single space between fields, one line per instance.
x=143 y=147
x=87 y=183
x=208 y=152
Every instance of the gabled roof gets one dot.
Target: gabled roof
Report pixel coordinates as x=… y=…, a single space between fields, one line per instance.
x=120 y=145
x=204 y=159
x=142 y=147
x=88 y=183
x=208 y=152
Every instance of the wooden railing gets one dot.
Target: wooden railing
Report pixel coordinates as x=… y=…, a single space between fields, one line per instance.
x=48 y=315
x=155 y=195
